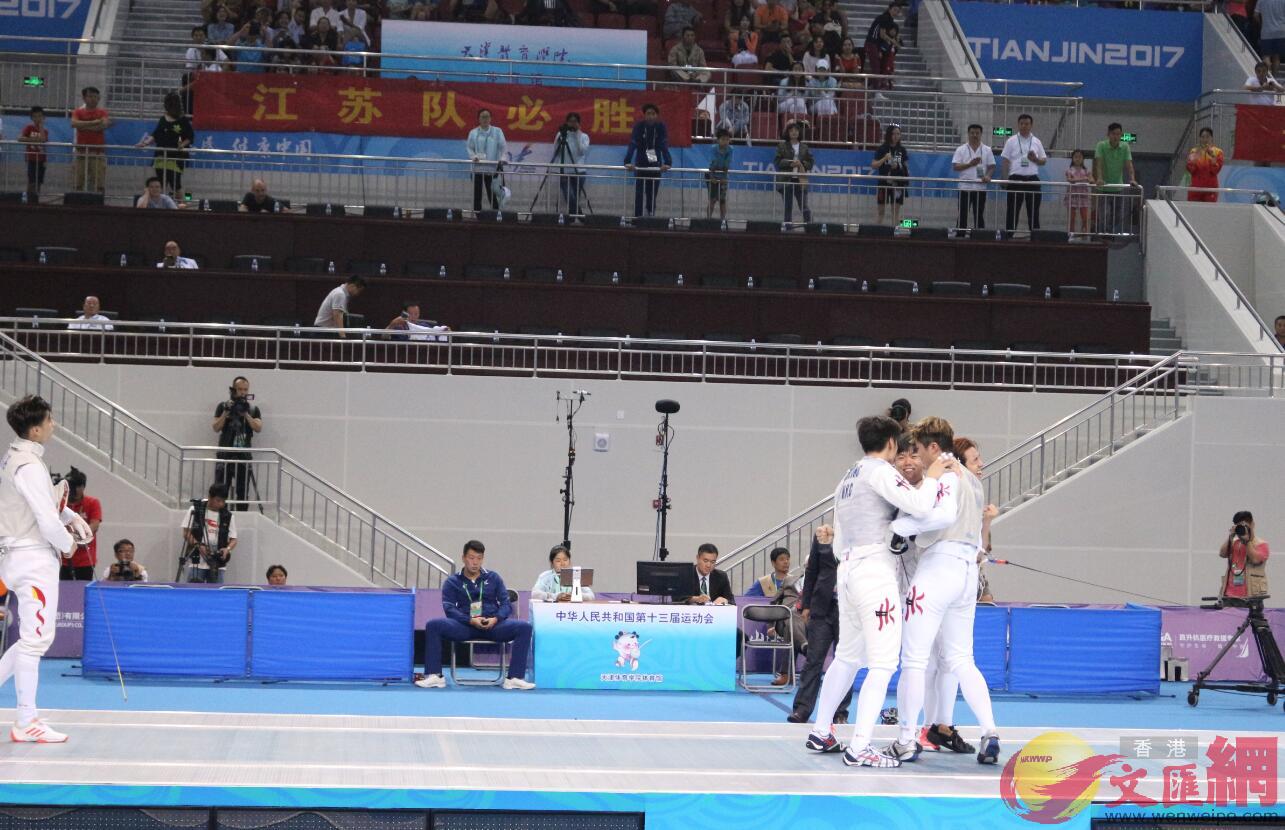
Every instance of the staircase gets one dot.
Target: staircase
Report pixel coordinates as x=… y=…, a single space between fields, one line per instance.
x=152 y=31
x=295 y=498
x=1156 y=396
x=1164 y=338
x=922 y=116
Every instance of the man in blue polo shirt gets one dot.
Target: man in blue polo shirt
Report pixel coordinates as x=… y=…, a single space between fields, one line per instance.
x=477 y=608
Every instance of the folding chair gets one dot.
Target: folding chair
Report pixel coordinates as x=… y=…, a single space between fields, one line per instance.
x=771 y=615
x=503 y=668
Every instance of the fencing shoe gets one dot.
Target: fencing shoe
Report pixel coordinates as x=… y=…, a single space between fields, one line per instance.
x=826 y=744
x=926 y=744
x=431 y=681
x=36 y=732
x=518 y=683
x=951 y=740
x=870 y=757
x=989 y=753
x=908 y=751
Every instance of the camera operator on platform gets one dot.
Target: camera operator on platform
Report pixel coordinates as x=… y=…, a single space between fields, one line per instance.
x=209 y=536
x=571 y=150
x=124 y=569
x=236 y=420
x=1246 y=556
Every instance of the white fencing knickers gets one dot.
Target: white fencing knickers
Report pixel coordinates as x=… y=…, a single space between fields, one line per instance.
x=940 y=606
x=31 y=572
x=869 y=635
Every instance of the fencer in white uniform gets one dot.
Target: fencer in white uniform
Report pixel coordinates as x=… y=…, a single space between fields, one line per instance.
x=943 y=597
x=865 y=502
x=34 y=525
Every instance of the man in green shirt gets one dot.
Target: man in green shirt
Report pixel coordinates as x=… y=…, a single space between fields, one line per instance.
x=1113 y=165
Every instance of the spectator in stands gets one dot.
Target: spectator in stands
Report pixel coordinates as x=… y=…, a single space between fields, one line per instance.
x=154 y=197
x=354 y=42
x=743 y=44
x=1112 y=170
x=251 y=57
x=276 y=575
x=476 y=11
x=209 y=536
x=848 y=61
x=34 y=136
x=1204 y=161
x=1270 y=15
x=355 y=16
x=90 y=123
x=772 y=21
x=720 y=165
x=793 y=161
x=734 y=116
x=486 y=148
x=236 y=420
x=680 y=15
x=648 y=157
x=1264 y=85
x=192 y=60
x=834 y=25
x=175 y=259
x=882 y=40
x=263 y=16
x=90 y=319
x=172 y=135
x=1279 y=324
x=801 y=14
x=335 y=306
x=892 y=163
x=975 y=164
x=815 y=54
x=326 y=9
x=821 y=91
x=203 y=59
x=283 y=39
x=1079 y=194
x=737 y=11
x=792 y=96
x=80 y=565
x=779 y=63
x=632 y=8
x=219 y=32
x=688 y=59
x=323 y=42
x=258 y=200
x=124 y=569
x=1238 y=11
x=576 y=152
x=548 y=13
x=410 y=321
x=714 y=586
x=1022 y=157
x=297 y=28
x=548 y=586
x=477 y=607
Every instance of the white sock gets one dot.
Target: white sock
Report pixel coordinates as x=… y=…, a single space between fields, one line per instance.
x=931 y=674
x=947 y=690
x=26 y=677
x=870 y=700
x=977 y=696
x=910 y=701
x=836 y=684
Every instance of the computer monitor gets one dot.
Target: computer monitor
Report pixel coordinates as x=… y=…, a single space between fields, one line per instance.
x=667 y=579
x=566 y=580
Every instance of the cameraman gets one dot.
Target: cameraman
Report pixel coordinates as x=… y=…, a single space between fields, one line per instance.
x=1246 y=557
x=80 y=566
x=209 y=536
x=236 y=420
x=124 y=569
x=572 y=150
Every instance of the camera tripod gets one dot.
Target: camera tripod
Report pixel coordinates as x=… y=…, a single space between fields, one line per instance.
x=1268 y=652
x=240 y=486
x=562 y=157
x=573 y=401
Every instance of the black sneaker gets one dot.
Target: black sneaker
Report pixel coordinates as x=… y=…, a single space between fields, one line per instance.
x=796 y=717
x=990 y=750
x=949 y=740
x=825 y=745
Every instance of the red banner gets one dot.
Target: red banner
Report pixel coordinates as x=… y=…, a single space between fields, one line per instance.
x=1260 y=133
x=421 y=109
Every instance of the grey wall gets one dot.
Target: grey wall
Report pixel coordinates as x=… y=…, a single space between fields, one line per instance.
x=1250 y=244
x=457 y=457
x=1150 y=520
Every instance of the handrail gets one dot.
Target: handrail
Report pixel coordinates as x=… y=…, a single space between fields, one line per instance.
x=962 y=39
x=122 y=423
x=1168 y=192
x=1264 y=332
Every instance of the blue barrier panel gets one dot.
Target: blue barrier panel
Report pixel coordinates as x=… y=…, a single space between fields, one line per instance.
x=44 y=19
x=990 y=649
x=170 y=631
x=314 y=635
x=1084 y=650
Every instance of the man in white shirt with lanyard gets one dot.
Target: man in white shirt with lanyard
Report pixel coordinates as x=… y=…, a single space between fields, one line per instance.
x=865 y=503
x=943 y=596
x=34 y=532
x=1023 y=156
x=975 y=164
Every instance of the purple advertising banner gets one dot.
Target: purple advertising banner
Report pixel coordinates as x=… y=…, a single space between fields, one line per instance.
x=70 y=636
x=1198 y=635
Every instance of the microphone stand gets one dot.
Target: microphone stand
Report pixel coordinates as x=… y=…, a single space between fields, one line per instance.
x=568 y=492
x=664 y=437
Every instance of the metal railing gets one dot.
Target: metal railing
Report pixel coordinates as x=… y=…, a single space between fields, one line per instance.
x=555 y=355
x=297 y=499
x=1137 y=406
x=1216 y=109
x=835 y=195
x=1266 y=335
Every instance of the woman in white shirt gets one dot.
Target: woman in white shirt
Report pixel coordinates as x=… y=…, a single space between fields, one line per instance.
x=548 y=587
x=792 y=97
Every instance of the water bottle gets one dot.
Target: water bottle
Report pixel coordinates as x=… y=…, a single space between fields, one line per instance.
x=724 y=225
x=671 y=223
x=276 y=206
x=615 y=278
x=397 y=212
x=784 y=227
x=24 y=197
x=914 y=288
x=680 y=279
x=986 y=290
x=865 y=286
x=450 y=215
x=812 y=284
x=499 y=216
x=562 y=220
x=297 y=333
x=1115 y=296
x=330 y=267
x=205 y=204
x=161 y=329
x=558 y=278
x=622 y=222
x=254 y=265
x=825 y=229
x=441 y=272
x=383 y=269
x=507 y=275
x=749 y=283
x=327 y=208
x=44 y=258
x=124 y=261
x=1048 y=293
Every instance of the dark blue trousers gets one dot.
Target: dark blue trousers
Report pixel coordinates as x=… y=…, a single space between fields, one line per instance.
x=517 y=632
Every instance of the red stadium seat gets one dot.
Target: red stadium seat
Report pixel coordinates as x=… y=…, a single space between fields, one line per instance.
x=646 y=24
x=764 y=126
x=827 y=129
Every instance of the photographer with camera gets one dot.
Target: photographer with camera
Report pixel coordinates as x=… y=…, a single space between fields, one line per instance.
x=570 y=152
x=80 y=565
x=209 y=536
x=124 y=569
x=236 y=420
x=1246 y=556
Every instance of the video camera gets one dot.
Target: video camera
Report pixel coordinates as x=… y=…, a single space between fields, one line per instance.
x=239 y=406
x=123 y=572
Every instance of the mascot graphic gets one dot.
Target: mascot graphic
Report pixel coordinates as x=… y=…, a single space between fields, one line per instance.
x=628 y=649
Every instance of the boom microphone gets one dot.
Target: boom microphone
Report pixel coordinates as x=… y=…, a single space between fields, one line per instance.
x=666 y=406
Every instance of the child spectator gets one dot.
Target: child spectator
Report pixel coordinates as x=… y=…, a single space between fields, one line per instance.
x=34 y=135
x=1078 y=195
x=720 y=162
x=354 y=44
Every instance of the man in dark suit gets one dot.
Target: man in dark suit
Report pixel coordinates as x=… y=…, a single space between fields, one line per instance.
x=820 y=611
x=713 y=584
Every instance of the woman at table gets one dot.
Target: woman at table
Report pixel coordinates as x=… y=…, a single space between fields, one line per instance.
x=549 y=587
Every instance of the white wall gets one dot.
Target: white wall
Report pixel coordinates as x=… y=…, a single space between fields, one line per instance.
x=452 y=458
x=1150 y=520
x=1250 y=244
x=1268 y=245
